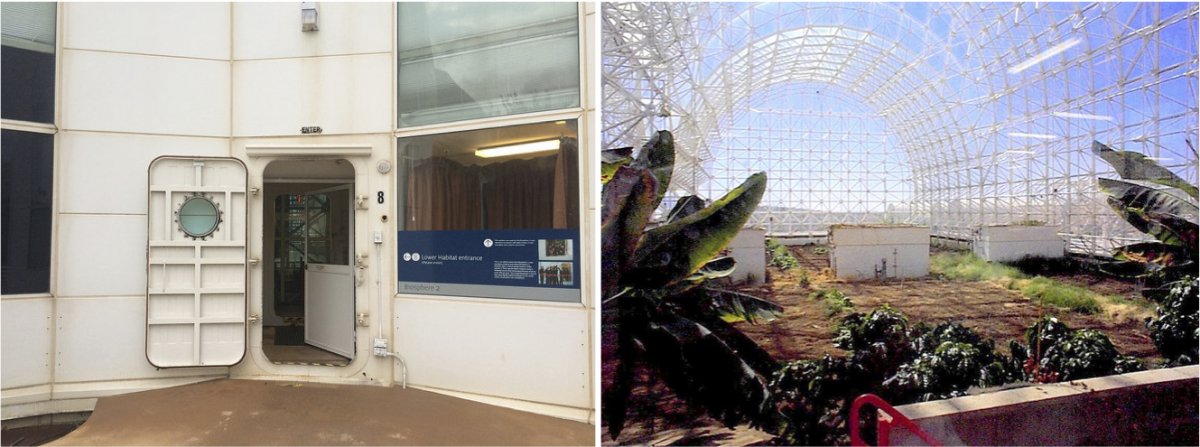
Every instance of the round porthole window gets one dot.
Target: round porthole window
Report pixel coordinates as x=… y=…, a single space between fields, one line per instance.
x=198 y=216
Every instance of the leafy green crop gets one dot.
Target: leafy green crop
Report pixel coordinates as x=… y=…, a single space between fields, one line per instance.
x=1176 y=332
x=780 y=255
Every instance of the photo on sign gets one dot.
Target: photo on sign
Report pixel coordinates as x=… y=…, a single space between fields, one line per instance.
x=555 y=250
x=556 y=273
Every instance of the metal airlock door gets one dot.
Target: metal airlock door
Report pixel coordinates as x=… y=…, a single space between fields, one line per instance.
x=196 y=262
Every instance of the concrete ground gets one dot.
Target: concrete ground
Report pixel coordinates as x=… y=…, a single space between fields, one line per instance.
x=252 y=412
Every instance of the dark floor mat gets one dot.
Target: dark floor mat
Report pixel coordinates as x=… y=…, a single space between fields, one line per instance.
x=289 y=335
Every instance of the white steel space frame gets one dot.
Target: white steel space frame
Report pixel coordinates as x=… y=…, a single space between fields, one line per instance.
x=985 y=112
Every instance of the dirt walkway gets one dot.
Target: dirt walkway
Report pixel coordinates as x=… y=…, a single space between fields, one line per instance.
x=255 y=412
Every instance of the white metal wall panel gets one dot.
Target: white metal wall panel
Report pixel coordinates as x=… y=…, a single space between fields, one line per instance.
x=121 y=92
x=532 y=353
x=196 y=288
x=195 y=30
x=342 y=94
x=1011 y=243
x=101 y=255
x=893 y=251
x=26 y=342
x=105 y=173
x=263 y=30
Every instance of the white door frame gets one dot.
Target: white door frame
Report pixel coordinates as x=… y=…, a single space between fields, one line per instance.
x=257 y=156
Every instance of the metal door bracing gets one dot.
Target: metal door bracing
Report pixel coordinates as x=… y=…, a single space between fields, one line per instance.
x=196 y=286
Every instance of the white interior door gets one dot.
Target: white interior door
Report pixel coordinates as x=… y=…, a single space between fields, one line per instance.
x=196 y=262
x=329 y=272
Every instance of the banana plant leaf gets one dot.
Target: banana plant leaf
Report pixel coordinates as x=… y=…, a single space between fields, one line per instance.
x=658 y=155
x=1155 y=212
x=716 y=268
x=733 y=306
x=704 y=370
x=628 y=204
x=1154 y=253
x=686 y=206
x=611 y=159
x=672 y=252
x=1134 y=166
x=1125 y=269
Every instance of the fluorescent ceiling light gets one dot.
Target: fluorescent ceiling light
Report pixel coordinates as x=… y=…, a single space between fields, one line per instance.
x=518 y=149
x=1083 y=116
x=1054 y=50
x=1040 y=136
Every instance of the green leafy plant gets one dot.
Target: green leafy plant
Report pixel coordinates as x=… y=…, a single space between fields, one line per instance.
x=834 y=300
x=1159 y=203
x=656 y=281
x=1169 y=263
x=780 y=255
x=900 y=362
x=1176 y=332
x=1058 y=353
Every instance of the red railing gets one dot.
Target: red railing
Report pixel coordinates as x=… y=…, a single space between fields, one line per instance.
x=884 y=426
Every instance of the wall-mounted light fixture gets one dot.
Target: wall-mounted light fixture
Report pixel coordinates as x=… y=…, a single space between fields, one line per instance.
x=517 y=149
x=308 y=16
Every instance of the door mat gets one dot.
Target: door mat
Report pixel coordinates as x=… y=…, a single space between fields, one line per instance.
x=289 y=335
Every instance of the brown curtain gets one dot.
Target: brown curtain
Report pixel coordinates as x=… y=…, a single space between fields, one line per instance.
x=443 y=195
x=566 y=185
x=519 y=194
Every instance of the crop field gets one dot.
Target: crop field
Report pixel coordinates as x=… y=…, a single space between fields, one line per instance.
x=999 y=306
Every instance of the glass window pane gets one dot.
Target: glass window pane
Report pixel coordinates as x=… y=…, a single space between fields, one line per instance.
x=491 y=213
x=25 y=198
x=462 y=61
x=447 y=186
x=27 y=61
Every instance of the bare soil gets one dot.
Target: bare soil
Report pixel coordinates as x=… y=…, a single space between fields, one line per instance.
x=656 y=416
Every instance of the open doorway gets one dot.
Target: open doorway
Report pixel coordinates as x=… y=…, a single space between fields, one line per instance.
x=308 y=276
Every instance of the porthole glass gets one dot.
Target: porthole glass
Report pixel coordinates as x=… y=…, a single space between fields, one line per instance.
x=198 y=216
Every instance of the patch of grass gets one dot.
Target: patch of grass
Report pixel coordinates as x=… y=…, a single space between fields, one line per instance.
x=1057 y=294
x=780 y=255
x=965 y=266
x=834 y=300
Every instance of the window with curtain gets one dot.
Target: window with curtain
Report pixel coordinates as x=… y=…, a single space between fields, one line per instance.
x=491 y=213
x=461 y=61
x=448 y=185
x=27 y=46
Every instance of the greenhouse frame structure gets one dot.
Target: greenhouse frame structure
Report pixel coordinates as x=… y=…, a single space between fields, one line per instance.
x=951 y=115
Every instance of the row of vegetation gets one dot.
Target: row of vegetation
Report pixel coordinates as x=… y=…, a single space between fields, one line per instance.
x=966 y=266
x=657 y=284
x=906 y=363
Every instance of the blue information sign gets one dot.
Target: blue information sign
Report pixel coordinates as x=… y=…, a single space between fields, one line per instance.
x=516 y=264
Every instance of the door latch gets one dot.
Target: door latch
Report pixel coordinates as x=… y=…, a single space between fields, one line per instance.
x=253 y=318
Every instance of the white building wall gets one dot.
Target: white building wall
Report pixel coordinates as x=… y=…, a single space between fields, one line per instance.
x=135 y=82
x=139 y=81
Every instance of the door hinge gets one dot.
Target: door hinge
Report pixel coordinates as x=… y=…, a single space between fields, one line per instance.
x=363 y=319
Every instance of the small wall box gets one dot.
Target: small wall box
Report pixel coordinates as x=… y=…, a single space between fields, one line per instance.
x=879 y=251
x=1006 y=243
